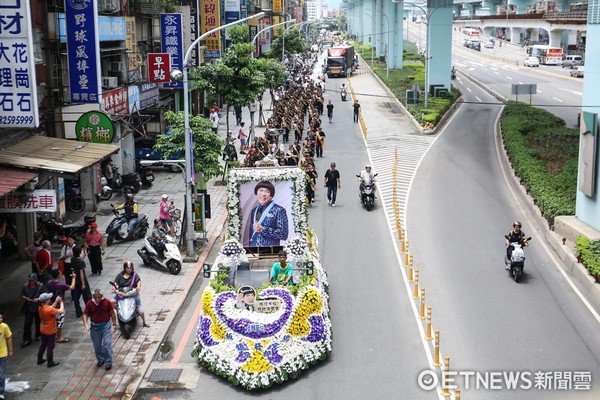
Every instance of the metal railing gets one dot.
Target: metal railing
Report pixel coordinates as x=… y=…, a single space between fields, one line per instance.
x=567 y=15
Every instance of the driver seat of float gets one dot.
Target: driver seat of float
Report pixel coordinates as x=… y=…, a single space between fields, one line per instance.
x=246 y=276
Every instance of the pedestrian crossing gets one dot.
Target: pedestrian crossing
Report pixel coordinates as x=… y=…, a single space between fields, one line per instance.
x=389 y=130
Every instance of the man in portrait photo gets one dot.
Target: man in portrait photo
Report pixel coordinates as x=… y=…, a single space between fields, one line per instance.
x=268 y=222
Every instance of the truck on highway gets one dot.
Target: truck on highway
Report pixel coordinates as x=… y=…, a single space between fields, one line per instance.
x=340 y=60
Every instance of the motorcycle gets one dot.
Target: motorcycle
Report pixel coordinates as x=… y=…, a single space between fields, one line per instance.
x=128 y=183
x=126 y=308
x=453 y=73
x=367 y=192
x=54 y=230
x=118 y=229
x=106 y=191
x=145 y=173
x=343 y=94
x=172 y=256
x=517 y=259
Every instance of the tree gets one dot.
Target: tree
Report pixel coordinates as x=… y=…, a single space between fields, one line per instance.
x=293 y=44
x=238 y=77
x=206 y=144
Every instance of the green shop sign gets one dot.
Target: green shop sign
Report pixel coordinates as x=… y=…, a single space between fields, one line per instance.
x=94 y=127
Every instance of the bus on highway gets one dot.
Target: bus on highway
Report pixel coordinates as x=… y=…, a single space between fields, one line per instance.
x=471 y=35
x=547 y=55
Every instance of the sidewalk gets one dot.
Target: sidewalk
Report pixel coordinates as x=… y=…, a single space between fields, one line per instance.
x=77 y=376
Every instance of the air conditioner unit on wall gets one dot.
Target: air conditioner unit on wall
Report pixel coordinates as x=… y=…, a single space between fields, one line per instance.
x=110 y=82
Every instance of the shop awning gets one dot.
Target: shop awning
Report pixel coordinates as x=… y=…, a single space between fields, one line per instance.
x=46 y=154
x=13 y=178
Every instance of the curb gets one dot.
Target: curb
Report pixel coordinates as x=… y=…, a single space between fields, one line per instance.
x=155 y=345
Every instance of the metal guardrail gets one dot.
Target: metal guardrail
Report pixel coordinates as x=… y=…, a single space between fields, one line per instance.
x=567 y=15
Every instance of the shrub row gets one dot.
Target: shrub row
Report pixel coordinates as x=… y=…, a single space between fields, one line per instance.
x=590 y=255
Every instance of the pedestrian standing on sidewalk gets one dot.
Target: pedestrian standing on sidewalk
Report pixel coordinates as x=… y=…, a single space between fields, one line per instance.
x=6 y=351
x=333 y=182
x=356 y=110
x=48 y=312
x=94 y=248
x=66 y=253
x=330 y=111
x=243 y=138
x=214 y=118
x=43 y=262
x=58 y=289
x=82 y=287
x=238 y=114
x=30 y=293
x=97 y=317
x=32 y=250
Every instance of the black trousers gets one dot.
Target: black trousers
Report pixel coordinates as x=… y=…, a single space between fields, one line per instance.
x=77 y=294
x=30 y=318
x=95 y=258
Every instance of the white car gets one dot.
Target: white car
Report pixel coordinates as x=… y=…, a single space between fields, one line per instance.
x=532 y=62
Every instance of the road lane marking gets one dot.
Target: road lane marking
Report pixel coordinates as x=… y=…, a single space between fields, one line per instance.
x=557 y=99
x=571 y=91
x=520 y=83
x=497 y=73
x=478 y=99
x=469 y=90
x=539 y=91
x=508 y=77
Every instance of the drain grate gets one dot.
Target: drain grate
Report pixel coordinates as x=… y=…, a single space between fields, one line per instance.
x=165 y=375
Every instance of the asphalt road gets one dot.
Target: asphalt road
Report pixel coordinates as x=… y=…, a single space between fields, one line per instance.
x=459 y=209
x=377 y=348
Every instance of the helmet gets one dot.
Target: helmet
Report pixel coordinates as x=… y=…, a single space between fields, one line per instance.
x=165 y=196
x=128 y=197
x=517 y=223
x=367 y=166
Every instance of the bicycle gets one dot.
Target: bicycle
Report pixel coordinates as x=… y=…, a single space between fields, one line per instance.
x=176 y=218
x=75 y=202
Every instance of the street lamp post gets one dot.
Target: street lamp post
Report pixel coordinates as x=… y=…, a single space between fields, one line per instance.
x=387 y=47
x=267 y=28
x=299 y=25
x=189 y=166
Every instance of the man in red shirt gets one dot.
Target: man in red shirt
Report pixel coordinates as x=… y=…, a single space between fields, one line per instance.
x=43 y=261
x=94 y=247
x=48 y=328
x=97 y=316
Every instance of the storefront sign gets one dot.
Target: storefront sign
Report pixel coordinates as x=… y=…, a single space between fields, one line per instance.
x=133 y=69
x=244 y=9
x=33 y=201
x=115 y=103
x=94 y=127
x=265 y=39
x=232 y=10
x=278 y=6
x=148 y=95
x=159 y=67
x=18 y=90
x=171 y=31
x=110 y=29
x=83 y=50
x=211 y=19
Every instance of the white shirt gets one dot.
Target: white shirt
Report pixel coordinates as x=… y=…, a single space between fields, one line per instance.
x=214 y=117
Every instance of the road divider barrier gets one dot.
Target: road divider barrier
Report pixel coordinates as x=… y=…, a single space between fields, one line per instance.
x=436 y=350
x=416 y=291
x=422 y=314
x=428 y=335
x=446 y=378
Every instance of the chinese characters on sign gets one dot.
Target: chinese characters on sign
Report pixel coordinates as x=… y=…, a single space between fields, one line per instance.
x=232 y=10
x=159 y=66
x=116 y=103
x=171 y=31
x=268 y=306
x=36 y=201
x=82 y=50
x=210 y=19
x=132 y=52
x=278 y=6
x=94 y=127
x=18 y=91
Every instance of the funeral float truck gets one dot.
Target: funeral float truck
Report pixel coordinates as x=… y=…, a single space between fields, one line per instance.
x=251 y=332
x=340 y=61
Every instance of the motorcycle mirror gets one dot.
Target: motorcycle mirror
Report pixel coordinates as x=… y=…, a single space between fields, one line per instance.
x=529 y=238
x=375 y=175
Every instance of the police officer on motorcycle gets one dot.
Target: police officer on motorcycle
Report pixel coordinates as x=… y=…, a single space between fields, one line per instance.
x=514 y=236
x=131 y=209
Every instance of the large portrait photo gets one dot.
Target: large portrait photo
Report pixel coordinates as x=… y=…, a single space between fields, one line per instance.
x=266 y=208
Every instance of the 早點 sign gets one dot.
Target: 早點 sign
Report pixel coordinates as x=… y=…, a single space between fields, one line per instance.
x=81 y=19
x=18 y=92
x=159 y=67
x=94 y=127
x=35 y=201
x=171 y=31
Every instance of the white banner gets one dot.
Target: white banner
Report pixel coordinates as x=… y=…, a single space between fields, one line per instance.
x=42 y=200
x=18 y=90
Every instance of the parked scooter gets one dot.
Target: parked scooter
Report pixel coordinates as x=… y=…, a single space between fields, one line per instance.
x=172 y=256
x=146 y=174
x=126 y=308
x=53 y=230
x=128 y=183
x=106 y=191
x=367 y=191
x=118 y=229
x=517 y=259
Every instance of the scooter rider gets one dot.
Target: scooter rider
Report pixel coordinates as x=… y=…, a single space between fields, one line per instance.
x=128 y=278
x=366 y=175
x=343 y=91
x=131 y=211
x=514 y=236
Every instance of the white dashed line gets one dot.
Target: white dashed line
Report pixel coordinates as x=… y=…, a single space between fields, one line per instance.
x=478 y=99
x=469 y=90
x=559 y=100
x=509 y=78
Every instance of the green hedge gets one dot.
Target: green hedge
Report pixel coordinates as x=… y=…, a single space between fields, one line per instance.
x=590 y=255
x=544 y=154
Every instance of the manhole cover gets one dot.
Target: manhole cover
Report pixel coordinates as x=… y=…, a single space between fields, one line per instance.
x=165 y=375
